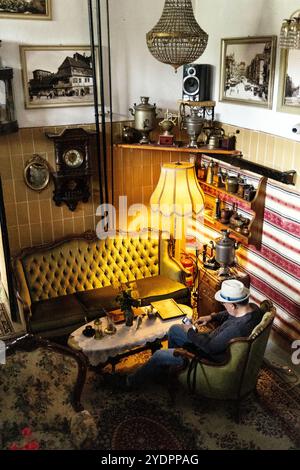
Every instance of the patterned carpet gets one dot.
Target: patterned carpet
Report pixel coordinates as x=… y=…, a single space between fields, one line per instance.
x=138 y=420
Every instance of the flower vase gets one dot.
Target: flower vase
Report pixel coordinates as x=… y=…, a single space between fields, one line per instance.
x=129 y=316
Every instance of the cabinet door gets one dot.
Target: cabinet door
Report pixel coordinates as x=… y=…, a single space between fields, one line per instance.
x=206 y=300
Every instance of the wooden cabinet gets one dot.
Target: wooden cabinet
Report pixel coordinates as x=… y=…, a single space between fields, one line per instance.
x=208 y=284
x=254 y=210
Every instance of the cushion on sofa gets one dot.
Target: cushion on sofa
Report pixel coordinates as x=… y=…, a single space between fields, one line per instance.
x=150 y=289
x=56 y=313
x=156 y=288
x=92 y=300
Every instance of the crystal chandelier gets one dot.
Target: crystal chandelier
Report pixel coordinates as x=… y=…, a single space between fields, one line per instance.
x=177 y=38
x=290 y=32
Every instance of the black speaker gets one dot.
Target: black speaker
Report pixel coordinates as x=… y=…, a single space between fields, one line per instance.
x=197 y=82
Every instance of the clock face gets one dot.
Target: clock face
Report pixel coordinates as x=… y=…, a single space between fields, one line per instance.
x=73 y=158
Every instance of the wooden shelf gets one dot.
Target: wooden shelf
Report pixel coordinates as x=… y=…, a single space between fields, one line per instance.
x=256 y=206
x=180 y=149
x=232 y=157
x=218 y=226
x=198 y=104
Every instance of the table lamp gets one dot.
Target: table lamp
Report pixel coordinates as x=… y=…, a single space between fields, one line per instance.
x=177 y=201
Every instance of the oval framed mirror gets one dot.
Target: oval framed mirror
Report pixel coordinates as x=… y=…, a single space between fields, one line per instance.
x=37 y=173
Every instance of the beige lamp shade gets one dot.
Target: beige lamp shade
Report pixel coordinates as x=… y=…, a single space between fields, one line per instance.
x=177 y=198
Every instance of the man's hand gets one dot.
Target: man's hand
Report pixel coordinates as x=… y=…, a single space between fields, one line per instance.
x=203 y=320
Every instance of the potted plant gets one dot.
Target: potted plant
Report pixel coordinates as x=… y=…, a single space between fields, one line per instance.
x=128 y=298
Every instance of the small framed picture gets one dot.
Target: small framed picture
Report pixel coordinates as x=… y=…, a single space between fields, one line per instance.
x=289 y=81
x=247 y=70
x=26 y=9
x=56 y=76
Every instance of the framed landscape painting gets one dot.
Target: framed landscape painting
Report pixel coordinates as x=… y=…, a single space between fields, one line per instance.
x=55 y=76
x=247 y=70
x=26 y=9
x=289 y=81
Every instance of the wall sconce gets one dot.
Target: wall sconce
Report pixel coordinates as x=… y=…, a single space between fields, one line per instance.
x=290 y=32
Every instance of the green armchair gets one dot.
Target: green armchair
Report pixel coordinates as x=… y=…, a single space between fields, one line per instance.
x=236 y=377
x=40 y=388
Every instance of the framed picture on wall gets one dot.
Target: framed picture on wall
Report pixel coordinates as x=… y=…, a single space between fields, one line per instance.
x=247 y=70
x=55 y=76
x=26 y=9
x=289 y=81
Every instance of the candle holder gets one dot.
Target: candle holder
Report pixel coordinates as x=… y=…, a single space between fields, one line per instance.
x=110 y=327
x=98 y=329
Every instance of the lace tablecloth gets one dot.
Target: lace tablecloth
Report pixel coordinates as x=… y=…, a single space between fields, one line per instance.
x=126 y=338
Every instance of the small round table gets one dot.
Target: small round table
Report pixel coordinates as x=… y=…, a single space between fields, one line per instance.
x=126 y=341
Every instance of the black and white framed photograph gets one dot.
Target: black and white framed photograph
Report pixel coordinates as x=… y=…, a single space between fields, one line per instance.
x=26 y=9
x=289 y=81
x=55 y=76
x=247 y=70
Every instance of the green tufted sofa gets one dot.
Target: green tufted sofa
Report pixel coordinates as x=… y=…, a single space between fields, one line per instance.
x=61 y=285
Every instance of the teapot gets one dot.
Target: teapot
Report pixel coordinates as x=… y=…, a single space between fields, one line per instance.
x=130 y=135
x=231 y=183
x=214 y=138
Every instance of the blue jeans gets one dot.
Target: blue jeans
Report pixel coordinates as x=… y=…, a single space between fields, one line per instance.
x=177 y=337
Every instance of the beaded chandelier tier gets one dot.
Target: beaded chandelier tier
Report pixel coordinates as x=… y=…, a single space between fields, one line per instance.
x=290 y=32
x=177 y=38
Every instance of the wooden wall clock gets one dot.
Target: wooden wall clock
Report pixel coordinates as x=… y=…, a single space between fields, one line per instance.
x=73 y=166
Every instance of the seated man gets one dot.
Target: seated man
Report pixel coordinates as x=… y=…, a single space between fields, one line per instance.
x=237 y=320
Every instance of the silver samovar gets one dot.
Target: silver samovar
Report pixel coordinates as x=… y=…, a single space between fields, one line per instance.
x=193 y=125
x=144 y=118
x=225 y=253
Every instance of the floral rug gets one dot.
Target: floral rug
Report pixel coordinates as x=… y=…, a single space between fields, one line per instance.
x=147 y=420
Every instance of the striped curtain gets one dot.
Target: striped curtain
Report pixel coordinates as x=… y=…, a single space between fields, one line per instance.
x=275 y=268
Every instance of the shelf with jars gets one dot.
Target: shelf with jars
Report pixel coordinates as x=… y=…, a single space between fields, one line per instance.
x=231 y=203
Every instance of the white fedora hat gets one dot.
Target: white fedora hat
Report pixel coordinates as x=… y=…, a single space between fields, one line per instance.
x=232 y=291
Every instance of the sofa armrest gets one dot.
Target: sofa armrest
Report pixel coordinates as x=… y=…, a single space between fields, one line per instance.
x=83 y=430
x=169 y=266
x=21 y=283
x=22 y=293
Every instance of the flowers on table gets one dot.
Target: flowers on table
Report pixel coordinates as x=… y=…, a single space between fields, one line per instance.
x=127 y=298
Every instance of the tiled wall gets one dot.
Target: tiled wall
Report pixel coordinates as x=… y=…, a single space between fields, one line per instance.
x=32 y=217
x=269 y=150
